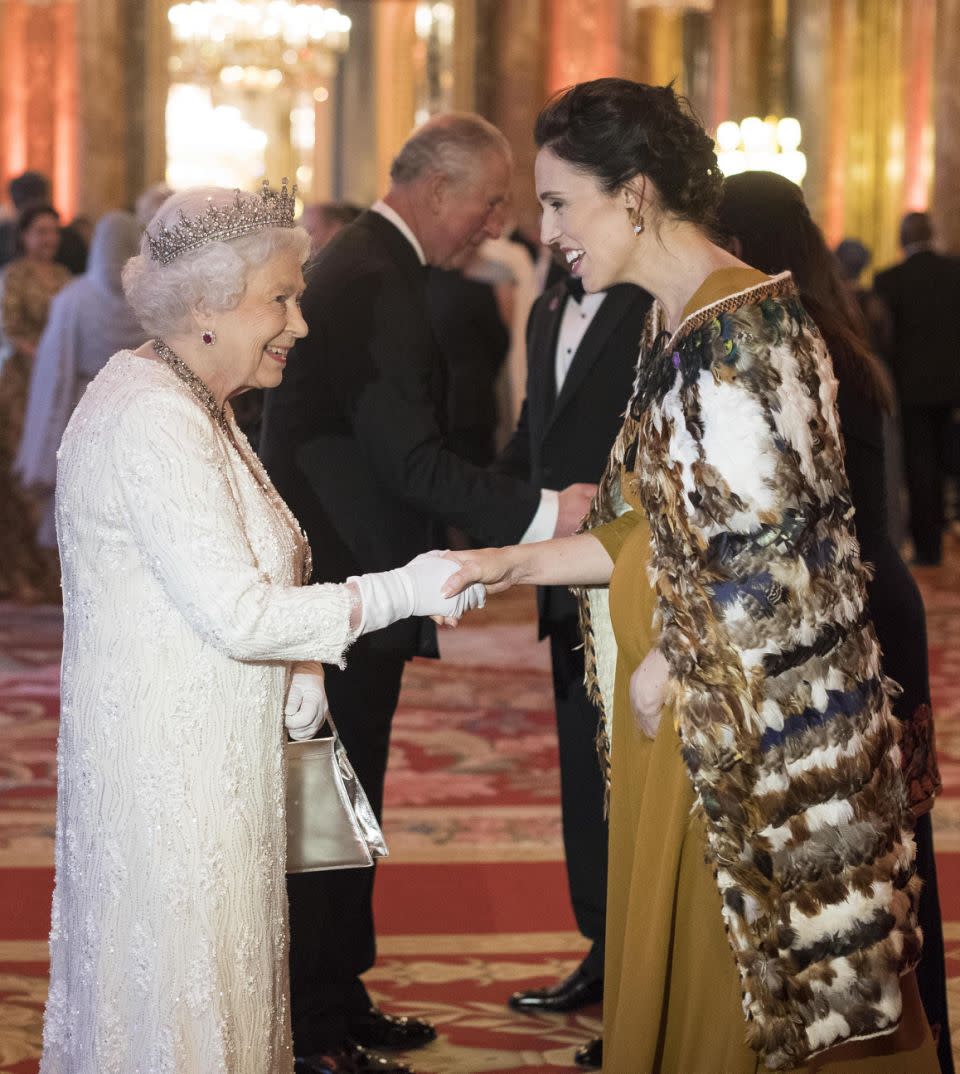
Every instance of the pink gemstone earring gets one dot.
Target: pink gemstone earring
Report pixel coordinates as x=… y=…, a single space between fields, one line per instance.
x=209 y=337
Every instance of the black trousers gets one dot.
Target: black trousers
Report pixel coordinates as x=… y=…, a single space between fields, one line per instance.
x=926 y=442
x=332 y=937
x=932 y=972
x=581 y=790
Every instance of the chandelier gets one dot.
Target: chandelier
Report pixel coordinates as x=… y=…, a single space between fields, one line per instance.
x=255 y=44
x=768 y=145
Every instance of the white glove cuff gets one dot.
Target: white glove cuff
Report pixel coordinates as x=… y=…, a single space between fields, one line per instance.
x=385 y=598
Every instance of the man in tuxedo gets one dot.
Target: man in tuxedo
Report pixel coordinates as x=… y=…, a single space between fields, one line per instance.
x=353 y=440
x=922 y=294
x=581 y=356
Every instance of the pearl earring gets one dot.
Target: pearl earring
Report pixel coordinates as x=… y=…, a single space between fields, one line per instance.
x=209 y=337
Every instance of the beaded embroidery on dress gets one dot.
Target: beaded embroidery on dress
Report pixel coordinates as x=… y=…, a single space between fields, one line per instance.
x=182 y=610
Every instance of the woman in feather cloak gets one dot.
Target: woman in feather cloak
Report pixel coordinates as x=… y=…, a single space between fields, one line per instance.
x=722 y=585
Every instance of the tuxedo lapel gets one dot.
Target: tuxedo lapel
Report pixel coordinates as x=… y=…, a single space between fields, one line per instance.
x=608 y=316
x=542 y=380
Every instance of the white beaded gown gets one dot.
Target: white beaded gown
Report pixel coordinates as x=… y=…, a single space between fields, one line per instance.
x=182 y=611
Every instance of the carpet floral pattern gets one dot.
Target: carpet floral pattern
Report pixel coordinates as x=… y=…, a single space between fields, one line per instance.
x=472 y=904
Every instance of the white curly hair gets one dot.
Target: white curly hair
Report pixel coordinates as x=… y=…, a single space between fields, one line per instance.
x=212 y=278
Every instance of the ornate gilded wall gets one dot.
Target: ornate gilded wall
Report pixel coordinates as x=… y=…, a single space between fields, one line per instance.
x=873 y=83
x=82 y=95
x=858 y=74
x=38 y=94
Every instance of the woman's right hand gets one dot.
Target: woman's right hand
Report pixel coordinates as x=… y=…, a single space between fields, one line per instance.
x=648 y=689
x=494 y=568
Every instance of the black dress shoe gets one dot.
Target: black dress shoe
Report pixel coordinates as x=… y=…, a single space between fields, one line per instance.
x=590 y=1055
x=573 y=992
x=378 y=1030
x=350 y=1059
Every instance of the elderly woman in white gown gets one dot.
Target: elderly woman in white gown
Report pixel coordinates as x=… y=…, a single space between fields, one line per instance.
x=190 y=635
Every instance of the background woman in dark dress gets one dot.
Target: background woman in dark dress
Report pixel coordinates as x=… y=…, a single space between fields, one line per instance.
x=767 y=222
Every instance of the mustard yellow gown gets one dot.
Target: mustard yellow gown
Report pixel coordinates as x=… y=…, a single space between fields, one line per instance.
x=671 y=991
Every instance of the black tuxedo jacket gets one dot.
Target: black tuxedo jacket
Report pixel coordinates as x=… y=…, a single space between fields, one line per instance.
x=567 y=438
x=353 y=437
x=923 y=296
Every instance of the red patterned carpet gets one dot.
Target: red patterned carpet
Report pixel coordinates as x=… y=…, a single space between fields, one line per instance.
x=472 y=903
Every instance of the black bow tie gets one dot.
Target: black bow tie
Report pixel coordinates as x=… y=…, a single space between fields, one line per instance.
x=574 y=286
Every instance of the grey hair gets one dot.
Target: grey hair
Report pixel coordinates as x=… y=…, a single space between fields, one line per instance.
x=213 y=277
x=450 y=144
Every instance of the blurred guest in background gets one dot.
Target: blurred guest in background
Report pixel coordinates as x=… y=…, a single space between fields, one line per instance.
x=854 y=258
x=149 y=201
x=508 y=265
x=767 y=219
x=30 y=282
x=84 y=228
x=89 y=321
x=922 y=294
x=322 y=220
x=30 y=189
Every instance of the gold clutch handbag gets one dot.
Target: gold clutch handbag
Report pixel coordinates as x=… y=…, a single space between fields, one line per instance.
x=330 y=824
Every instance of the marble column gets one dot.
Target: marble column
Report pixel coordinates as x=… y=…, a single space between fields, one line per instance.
x=838 y=96
x=750 y=30
x=355 y=145
x=38 y=94
x=519 y=93
x=654 y=36
x=945 y=205
x=807 y=100
x=102 y=108
x=919 y=30
x=582 y=41
x=395 y=43
x=465 y=55
x=146 y=55
x=65 y=96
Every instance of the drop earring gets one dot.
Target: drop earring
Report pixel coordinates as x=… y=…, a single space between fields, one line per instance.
x=638 y=226
x=636 y=221
x=209 y=337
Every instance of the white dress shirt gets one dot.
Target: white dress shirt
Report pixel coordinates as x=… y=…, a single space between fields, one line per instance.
x=573 y=327
x=391 y=214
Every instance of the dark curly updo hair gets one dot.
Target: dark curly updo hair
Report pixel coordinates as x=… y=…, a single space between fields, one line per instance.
x=615 y=129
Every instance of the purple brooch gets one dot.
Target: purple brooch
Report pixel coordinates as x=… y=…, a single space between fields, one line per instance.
x=676 y=359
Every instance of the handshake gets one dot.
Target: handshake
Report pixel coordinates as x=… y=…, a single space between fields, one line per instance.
x=415 y=589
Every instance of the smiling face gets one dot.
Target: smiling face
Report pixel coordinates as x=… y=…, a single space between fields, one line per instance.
x=256 y=335
x=591 y=228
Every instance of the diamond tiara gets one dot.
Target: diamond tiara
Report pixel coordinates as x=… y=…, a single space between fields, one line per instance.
x=220 y=223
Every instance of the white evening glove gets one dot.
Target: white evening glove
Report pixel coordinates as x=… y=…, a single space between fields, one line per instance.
x=307 y=706
x=414 y=590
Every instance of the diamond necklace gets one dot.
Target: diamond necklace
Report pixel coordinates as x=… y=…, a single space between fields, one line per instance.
x=197 y=387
